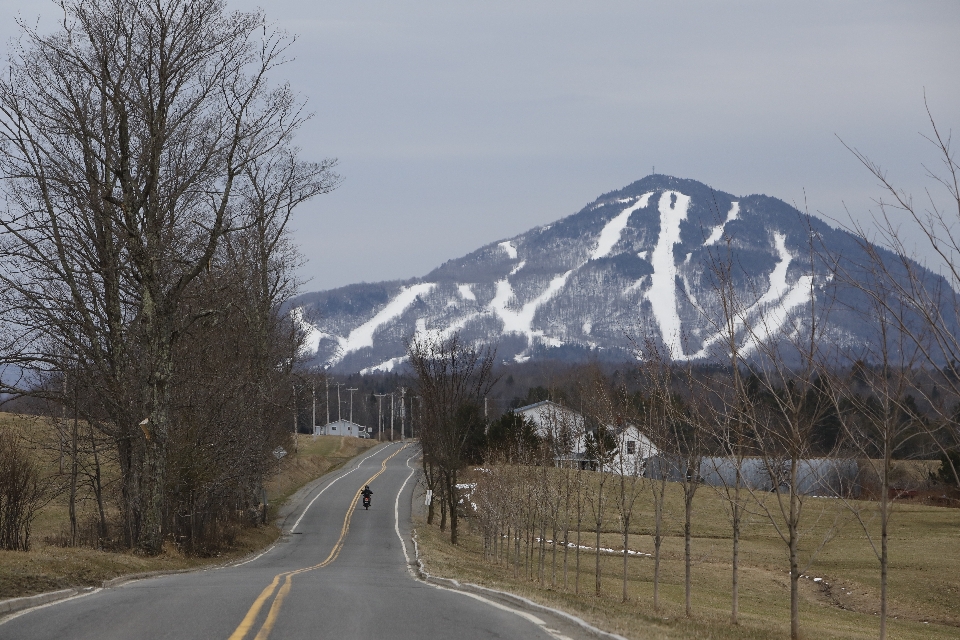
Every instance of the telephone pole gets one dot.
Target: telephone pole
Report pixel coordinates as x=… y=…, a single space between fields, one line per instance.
x=313 y=420
x=403 y=410
x=391 y=416
x=351 y=404
x=380 y=397
x=339 y=402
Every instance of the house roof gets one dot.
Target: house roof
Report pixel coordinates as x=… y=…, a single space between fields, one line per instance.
x=538 y=404
x=343 y=422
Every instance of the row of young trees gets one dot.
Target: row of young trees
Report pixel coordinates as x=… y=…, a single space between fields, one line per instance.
x=149 y=174
x=785 y=410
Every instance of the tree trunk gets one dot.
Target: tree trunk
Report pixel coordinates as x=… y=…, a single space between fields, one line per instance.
x=657 y=540
x=687 y=516
x=626 y=540
x=74 y=472
x=453 y=499
x=794 y=562
x=735 y=587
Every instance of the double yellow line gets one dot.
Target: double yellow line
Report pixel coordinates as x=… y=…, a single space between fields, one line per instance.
x=287 y=576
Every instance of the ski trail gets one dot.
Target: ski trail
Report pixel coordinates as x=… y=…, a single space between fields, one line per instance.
x=662 y=293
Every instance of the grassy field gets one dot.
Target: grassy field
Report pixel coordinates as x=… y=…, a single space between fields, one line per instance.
x=924 y=584
x=50 y=566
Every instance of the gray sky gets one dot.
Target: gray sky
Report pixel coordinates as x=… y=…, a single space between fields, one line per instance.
x=457 y=124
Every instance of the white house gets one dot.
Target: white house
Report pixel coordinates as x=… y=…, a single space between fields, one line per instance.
x=341 y=428
x=633 y=450
x=558 y=423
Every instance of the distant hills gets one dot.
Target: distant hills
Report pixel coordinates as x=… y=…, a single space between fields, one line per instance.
x=640 y=261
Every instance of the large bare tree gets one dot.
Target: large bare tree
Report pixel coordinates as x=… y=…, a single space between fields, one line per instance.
x=132 y=142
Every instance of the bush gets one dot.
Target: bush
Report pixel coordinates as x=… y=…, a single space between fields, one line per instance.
x=21 y=491
x=945 y=473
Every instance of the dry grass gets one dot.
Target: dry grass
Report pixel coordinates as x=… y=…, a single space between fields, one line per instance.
x=50 y=566
x=924 y=573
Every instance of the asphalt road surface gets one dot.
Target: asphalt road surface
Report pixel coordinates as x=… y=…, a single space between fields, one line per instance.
x=338 y=572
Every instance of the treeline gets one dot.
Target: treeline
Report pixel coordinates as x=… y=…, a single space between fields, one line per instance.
x=149 y=174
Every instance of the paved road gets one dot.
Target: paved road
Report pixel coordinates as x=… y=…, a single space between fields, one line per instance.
x=341 y=573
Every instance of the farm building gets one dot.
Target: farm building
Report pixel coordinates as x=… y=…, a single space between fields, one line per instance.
x=341 y=428
x=568 y=428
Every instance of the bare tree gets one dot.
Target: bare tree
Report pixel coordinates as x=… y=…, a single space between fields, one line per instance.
x=924 y=305
x=132 y=143
x=453 y=377
x=873 y=404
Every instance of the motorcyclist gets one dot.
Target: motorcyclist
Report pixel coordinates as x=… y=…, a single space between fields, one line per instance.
x=366 y=493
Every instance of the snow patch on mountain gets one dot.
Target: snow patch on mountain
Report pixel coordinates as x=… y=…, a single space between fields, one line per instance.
x=766 y=317
x=717 y=232
x=778 y=277
x=362 y=336
x=466 y=292
x=312 y=334
x=611 y=232
x=521 y=265
x=662 y=293
x=521 y=321
x=384 y=367
x=511 y=250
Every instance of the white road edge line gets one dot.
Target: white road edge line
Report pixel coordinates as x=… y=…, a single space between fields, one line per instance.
x=403 y=545
x=293 y=528
x=13 y=616
x=307 y=508
x=396 y=510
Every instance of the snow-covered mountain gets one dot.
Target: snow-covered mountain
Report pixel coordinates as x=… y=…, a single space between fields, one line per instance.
x=641 y=261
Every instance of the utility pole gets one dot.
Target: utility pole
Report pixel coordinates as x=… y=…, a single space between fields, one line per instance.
x=296 y=427
x=380 y=397
x=412 y=413
x=391 y=417
x=326 y=381
x=351 y=404
x=339 y=403
x=313 y=420
x=403 y=410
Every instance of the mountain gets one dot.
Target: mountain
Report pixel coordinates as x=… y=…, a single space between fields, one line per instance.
x=641 y=261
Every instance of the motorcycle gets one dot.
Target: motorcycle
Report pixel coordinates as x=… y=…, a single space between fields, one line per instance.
x=366 y=502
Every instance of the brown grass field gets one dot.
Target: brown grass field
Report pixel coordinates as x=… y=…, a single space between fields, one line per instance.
x=924 y=582
x=49 y=565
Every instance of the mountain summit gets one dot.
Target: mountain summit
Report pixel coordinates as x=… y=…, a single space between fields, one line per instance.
x=641 y=261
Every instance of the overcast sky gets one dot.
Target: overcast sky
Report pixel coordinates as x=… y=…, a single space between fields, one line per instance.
x=457 y=124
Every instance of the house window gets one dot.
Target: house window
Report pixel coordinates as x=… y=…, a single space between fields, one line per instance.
x=333 y=428
x=631 y=447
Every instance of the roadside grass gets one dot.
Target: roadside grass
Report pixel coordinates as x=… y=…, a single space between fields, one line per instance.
x=50 y=565
x=924 y=582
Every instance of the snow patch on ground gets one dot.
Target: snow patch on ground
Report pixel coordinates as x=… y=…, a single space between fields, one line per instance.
x=509 y=248
x=611 y=232
x=717 y=232
x=587 y=327
x=662 y=293
x=466 y=292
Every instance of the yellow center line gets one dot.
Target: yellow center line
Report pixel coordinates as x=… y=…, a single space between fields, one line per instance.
x=248 y=620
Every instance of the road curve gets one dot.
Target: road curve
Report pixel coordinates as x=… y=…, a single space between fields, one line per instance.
x=338 y=572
